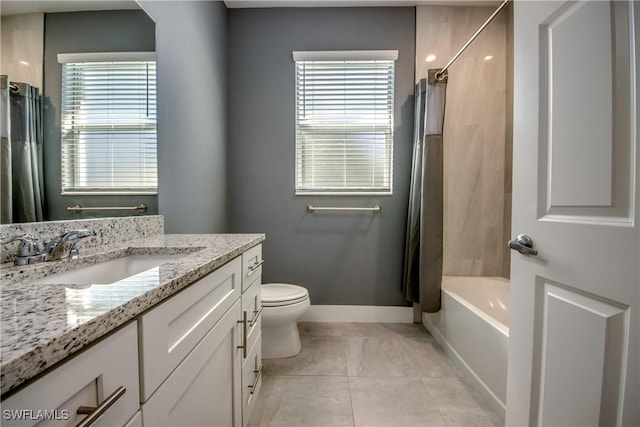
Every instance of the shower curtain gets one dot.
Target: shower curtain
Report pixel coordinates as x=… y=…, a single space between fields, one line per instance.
x=423 y=249
x=21 y=163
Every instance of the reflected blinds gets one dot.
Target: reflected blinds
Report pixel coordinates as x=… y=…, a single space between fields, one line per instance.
x=109 y=140
x=344 y=125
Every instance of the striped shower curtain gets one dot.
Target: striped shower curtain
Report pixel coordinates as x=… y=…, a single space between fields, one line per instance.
x=422 y=274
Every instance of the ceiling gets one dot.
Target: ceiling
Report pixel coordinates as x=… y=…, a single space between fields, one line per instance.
x=354 y=3
x=15 y=7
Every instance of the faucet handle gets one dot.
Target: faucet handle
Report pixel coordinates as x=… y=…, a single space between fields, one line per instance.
x=64 y=237
x=29 y=245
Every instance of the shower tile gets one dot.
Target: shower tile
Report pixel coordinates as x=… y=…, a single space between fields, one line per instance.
x=477 y=125
x=384 y=401
x=319 y=356
x=296 y=401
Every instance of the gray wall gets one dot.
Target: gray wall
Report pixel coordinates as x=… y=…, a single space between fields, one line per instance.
x=348 y=258
x=191 y=46
x=107 y=31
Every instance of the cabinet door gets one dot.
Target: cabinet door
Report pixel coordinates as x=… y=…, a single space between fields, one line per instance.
x=204 y=390
x=171 y=330
x=85 y=380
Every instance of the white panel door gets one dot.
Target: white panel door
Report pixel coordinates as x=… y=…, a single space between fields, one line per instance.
x=574 y=357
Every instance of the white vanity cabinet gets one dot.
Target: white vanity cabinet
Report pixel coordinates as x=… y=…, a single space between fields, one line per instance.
x=190 y=355
x=192 y=360
x=107 y=369
x=200 y=350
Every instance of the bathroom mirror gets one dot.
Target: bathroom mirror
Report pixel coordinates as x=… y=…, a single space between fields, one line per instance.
x=33 y=34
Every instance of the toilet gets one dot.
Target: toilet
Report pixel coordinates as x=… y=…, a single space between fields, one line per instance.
x=282 y=305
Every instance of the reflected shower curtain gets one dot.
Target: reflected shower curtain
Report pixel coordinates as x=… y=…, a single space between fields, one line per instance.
x=423 y=249
x=22 y=180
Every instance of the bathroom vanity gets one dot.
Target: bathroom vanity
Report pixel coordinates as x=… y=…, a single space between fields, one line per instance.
x=178 y=343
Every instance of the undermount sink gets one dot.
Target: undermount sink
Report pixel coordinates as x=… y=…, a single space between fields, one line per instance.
x=109 y=271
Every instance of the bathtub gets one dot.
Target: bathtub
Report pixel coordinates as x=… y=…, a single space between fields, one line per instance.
x=473 y=329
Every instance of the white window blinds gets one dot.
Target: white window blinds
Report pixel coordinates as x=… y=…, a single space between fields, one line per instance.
x=344 y=122
x=109 y=142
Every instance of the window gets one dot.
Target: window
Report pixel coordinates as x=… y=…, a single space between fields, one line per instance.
x=344 y=122
x=109 y=143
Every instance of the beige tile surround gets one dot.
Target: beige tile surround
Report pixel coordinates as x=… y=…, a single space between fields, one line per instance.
x=367 y=375
x=22 y=48
x=477 y=153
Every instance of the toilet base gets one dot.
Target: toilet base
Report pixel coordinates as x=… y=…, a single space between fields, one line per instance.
x=280 y=341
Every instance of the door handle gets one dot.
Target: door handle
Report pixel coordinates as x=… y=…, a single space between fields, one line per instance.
x=523 y=244
x=95 y=412
x=244 y=322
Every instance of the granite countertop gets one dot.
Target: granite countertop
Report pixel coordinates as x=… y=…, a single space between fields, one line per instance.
x=43 y=324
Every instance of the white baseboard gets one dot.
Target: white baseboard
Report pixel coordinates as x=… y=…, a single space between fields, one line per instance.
x=358 y=313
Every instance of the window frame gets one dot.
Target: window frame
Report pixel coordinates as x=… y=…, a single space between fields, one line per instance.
x=64 y=58
x=332 y=56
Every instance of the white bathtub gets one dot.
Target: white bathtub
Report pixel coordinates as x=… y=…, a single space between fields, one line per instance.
x=473 y=328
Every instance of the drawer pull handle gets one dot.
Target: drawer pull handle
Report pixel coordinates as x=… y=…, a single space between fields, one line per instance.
x=256 y=315
x=255 y=382
x=254 y=267
x=244 y=334
x=93 y=412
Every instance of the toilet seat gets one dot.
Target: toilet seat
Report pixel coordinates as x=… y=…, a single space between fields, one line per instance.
x=282 y=294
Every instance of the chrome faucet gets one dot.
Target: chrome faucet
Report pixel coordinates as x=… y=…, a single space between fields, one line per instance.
x=29 y=250
x=64 y=237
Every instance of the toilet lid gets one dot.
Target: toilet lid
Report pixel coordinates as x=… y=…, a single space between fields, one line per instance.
x=273 y=294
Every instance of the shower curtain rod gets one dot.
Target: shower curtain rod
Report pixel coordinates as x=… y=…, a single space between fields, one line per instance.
x=443 y=72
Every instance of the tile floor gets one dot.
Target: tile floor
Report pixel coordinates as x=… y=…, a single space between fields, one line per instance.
x=367 y=375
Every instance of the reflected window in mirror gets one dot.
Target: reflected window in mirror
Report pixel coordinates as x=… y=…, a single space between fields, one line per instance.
x=109 y=123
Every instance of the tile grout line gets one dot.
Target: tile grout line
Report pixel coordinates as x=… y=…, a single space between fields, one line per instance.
x=353 y=414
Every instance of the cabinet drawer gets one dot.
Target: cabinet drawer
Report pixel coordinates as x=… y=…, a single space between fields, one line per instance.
x=251 y=379
x=251 y=266
x=85 y=380
x=252 y=304
x=170 y=331
x=204 y=389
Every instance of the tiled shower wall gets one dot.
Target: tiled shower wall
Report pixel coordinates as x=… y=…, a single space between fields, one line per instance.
x=22 y=44
x=477 y=134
